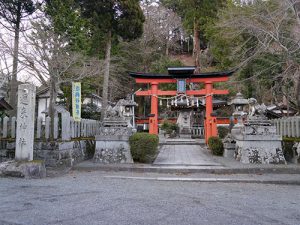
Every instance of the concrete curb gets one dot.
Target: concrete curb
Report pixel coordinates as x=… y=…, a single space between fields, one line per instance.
x=186 y=169
x=210 y=180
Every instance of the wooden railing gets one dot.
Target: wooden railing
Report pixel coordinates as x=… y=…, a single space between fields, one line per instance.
x=198 y=131
x=288 y=126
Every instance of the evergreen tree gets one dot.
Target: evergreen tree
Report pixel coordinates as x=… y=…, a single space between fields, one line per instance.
x=66 y=20
x=196 y=15
x=112 y=18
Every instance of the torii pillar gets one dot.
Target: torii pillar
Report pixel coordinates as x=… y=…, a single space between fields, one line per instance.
x=210 y=120
x=153 y=120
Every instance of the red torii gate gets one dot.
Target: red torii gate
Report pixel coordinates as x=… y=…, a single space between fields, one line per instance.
x=183 y=73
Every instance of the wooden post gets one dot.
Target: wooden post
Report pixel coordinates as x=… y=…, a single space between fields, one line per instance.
x=5 y=127
x=210 y=122
x=153 y=121
x=13 y=127
x=39 y=127
x=47 y=127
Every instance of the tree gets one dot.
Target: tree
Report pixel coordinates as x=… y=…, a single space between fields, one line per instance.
x=123 y=18
x=13 y=12
x=162 y=26
x=265 y=39
x=66 y=20
x=50 y=59
x=196 y=14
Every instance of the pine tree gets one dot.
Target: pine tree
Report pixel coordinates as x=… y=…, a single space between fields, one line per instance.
x=112 y=18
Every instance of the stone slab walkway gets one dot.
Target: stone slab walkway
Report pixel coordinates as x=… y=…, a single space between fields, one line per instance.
x=188 y=155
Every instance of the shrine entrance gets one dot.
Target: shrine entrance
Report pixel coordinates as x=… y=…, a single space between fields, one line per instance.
x=183 y=77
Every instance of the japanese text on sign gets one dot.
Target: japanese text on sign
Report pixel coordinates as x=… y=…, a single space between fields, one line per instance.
x=76 y=101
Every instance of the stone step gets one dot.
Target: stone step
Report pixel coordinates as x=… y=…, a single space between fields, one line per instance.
x=184 y=141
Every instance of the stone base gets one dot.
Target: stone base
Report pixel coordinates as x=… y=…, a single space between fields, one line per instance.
x=66 y=153
x=260 y=150
x=112 y=149
x=30 y=169
x=229 y=150
x=60 y=153
x=229 y=153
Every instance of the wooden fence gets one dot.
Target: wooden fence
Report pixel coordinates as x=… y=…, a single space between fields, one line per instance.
x=288 y=126
x=65 y=128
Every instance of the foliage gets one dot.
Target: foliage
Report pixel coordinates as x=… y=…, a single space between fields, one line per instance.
x=262 y=39
x=288 y=150
x=201 y=12
x=216 y=146
x=222 y=131
x=169 y=127
x=143 y=147
x=66 y=19
x=90 y=148
x=122 y=18
x=90 y=111
x=13 y=11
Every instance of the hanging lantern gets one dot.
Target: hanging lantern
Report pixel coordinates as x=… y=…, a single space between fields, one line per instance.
x=168 y=106
x=187 y=102
x=197 y=102
x=192 y=102
x=160 y=102
x=172 y=102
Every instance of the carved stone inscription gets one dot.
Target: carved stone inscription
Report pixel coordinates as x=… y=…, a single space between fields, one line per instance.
x=25 y=122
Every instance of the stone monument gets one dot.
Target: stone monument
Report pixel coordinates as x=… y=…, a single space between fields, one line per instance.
x=112 y=144
x=256 y=139
x=25 y=122
x=184 y=123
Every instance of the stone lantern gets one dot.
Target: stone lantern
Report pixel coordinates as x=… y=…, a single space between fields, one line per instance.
x=239 y=103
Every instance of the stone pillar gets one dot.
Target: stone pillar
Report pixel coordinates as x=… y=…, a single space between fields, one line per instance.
x=25 y=122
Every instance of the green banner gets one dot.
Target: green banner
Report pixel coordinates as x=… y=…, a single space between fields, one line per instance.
x=76 y=101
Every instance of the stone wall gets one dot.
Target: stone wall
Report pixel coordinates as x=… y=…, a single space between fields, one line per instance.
x=55 y=153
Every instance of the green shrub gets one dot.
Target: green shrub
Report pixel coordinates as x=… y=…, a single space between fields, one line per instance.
x=216 y=145
x=90 y=148
x=143 y=147
x=169 y=127
x=288 y=150
x=223 y=131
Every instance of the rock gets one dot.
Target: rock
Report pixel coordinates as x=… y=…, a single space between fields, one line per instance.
x=23 y=169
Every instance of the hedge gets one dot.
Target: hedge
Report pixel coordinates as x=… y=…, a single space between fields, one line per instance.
x=223 y=131
x=216 y=146
x=143 y=147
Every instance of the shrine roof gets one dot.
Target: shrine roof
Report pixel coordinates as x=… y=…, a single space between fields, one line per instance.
x=181 y=72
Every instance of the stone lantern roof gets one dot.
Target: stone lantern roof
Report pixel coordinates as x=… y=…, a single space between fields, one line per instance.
x=239 y=100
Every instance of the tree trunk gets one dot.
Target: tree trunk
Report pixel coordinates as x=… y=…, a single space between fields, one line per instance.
x=106 y=77
x=196 y=49
x=13 y=82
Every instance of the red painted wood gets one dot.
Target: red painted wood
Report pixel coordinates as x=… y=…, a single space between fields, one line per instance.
x=193 y=80
x=189 y=92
